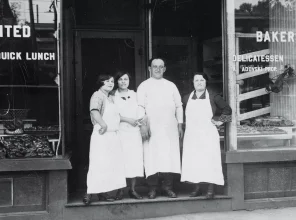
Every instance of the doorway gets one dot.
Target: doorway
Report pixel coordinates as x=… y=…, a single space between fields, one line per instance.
x=98 y=52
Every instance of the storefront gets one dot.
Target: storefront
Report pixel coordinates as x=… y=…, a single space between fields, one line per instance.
x=48 y=100
x=34 y=166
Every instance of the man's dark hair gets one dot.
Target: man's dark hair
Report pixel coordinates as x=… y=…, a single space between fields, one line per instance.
x=156 y=58
x=103 y=77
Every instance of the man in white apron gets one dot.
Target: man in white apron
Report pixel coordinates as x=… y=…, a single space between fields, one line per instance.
x=160 y=101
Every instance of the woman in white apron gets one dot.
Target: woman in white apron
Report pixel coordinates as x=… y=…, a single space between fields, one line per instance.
x=106 y=165
x=201 y=161
x=129 y=133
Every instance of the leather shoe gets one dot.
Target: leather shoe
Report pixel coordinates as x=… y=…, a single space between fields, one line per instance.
x=169 y=193
x=210 y=195
x=86 y=199
x=152 y=194
x=119 y=194
x=195 y=193
x=134 y=195
x=105 y=197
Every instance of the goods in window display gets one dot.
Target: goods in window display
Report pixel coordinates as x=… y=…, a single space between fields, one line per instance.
x=42 y=129
x=26 y=146
x=253 y=130
x=14 y=127
x=2 y=152
x=277 y=86
x=277 y=121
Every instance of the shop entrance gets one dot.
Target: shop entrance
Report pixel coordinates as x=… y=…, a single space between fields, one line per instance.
x=96 y=53
x=187 y=35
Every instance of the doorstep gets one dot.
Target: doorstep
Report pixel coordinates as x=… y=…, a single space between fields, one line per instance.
x=76 y=200
x=128 y=208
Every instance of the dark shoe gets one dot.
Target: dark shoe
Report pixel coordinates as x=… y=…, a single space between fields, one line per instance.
x=152 y=194
x=169 y=193
x=105 y=197
x=86 y=199
x=119 y=194
x=195 y=193
x=134 y=195
x=210 y=194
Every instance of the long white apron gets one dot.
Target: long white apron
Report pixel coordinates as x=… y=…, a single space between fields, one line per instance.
x=130 y=136
x=201 y=161
x=106 y=165
x=162 y=152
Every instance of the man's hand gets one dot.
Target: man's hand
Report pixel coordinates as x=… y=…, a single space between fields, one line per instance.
x=180 y=130
x=145 y=132
x=103 y=129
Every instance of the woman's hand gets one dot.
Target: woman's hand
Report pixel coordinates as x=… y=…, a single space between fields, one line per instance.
x=103 y=129
x=217 y=123
x=133 y=122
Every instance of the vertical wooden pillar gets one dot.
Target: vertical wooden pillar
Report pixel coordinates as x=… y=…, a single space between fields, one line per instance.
x=235 y=185
x=230 y=75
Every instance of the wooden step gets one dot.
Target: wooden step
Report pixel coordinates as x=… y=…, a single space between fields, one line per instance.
x=146 y=208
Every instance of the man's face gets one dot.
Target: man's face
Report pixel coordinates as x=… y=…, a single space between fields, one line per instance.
x=157 y=68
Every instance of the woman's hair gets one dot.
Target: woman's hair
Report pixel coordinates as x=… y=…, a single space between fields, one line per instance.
x=118 y=75
x=201 y=74
x=103 y=77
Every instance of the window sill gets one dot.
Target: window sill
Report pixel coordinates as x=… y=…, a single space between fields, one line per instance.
x=279 y=154
x=29 y=164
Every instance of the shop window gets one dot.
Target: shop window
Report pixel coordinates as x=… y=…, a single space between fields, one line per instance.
x=265 y=64
x=29 y=79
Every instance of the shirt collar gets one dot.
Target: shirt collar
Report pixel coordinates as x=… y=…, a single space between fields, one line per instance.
x=203 y=96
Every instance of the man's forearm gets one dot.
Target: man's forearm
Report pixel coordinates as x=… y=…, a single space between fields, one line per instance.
x=141 y=112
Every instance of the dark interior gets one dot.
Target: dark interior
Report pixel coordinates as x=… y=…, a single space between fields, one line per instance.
x=184 y=19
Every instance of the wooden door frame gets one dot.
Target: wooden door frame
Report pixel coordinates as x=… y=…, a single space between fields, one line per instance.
x=140 y=73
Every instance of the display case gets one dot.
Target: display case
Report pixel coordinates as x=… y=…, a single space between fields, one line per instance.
x=265 y=78
x=30 y=111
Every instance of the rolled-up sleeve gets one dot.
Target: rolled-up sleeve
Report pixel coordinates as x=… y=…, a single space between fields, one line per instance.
x=141 y=97
x=224 y=107
x=96 y=102
x=178 y=104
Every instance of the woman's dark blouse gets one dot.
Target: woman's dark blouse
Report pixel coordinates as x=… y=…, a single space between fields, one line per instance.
x=221 y=110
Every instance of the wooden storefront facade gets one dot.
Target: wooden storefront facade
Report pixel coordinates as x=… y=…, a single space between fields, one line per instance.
x=100 y=36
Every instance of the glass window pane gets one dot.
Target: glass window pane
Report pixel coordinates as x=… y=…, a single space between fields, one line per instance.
x=265 y=57
x=29 y=81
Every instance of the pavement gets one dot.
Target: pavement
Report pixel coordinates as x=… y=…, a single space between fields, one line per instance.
x=260 y=214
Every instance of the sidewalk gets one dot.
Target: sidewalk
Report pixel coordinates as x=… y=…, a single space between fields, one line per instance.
x=262 y=214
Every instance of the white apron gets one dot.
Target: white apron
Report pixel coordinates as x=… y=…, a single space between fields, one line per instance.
x=130 y=136
x=106 y=165
x=162 y=152
x=201 y=161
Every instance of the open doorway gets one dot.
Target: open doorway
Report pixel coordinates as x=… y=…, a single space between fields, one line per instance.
x=188 y=35
x=99 y=52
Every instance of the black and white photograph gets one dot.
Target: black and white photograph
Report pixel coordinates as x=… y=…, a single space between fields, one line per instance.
x=147 y=109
